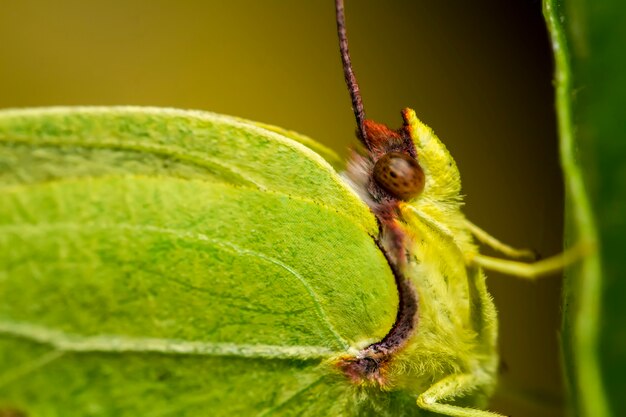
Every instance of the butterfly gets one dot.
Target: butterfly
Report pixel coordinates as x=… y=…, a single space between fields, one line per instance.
x=159 y=261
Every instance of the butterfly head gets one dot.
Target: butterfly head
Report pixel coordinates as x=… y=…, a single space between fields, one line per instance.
x=403 y=165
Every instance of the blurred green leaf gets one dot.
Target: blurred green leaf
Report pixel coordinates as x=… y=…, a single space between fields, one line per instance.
x=588 y=40
x=163 y=262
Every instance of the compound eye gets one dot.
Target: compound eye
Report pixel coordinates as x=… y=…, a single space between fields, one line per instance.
x=400 y=175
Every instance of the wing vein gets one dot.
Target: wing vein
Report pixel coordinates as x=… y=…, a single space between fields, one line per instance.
x=185 y=235
x=68 y=342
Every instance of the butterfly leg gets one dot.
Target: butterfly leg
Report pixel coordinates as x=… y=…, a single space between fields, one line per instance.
x=534 y=270
x=448 y=388
x=485 y=238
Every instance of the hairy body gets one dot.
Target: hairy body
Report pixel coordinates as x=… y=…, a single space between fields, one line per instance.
x=446 y=327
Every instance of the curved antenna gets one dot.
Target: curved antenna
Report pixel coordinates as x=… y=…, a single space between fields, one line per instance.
x=353 y=86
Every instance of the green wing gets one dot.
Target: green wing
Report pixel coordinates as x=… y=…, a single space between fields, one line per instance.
x=163 y=262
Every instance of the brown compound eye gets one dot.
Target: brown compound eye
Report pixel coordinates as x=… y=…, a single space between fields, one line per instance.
x=400 y=175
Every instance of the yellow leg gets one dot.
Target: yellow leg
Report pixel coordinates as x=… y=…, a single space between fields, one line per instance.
x=533 y=270
x=485 y=238
x=448 y=388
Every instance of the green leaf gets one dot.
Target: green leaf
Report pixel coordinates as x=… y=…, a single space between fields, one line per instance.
x=165 y=262
x=588 y=42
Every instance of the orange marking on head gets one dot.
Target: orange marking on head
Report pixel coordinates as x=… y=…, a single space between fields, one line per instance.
x=379 y=134
x=409 y=118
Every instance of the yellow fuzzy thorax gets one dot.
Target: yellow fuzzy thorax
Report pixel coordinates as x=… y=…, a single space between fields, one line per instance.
x=457 y=325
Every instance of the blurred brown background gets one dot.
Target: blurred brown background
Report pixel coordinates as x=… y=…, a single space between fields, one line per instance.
x=478 y=72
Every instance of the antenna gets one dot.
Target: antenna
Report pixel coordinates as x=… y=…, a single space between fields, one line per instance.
x=353 y=86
